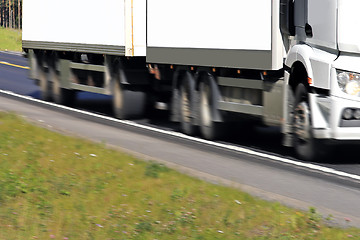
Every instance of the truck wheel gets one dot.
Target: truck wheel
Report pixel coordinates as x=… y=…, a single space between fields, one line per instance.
x=45 y=85
x=60 y=95
x=306 y=147
x=209 y=128
x=187 y=95
x=127 y=104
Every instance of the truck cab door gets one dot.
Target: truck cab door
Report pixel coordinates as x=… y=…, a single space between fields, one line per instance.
x=322 y=18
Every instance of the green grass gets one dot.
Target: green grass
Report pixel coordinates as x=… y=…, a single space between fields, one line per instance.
x=10 y=40
x=59 y=187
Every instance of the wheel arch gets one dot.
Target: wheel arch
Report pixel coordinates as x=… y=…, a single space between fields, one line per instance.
x=299 y=56
x=298 y=74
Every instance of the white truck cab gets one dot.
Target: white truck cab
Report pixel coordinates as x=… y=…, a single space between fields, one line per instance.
x=322 y=72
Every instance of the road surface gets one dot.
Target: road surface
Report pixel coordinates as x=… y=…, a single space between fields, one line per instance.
x=258 y=165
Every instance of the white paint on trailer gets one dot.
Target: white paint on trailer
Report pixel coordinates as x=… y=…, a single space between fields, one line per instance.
x=80 y=21
x=135 y=27
x=213 y=24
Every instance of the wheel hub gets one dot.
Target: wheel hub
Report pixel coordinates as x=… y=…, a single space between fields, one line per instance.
x=205 y=106
x=186 y=107
x=302 y=121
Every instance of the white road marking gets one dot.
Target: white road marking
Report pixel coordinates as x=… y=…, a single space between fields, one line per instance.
x=199 y=140
x=12 y=53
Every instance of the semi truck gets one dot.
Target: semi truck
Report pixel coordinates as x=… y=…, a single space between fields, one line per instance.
x=294 y=64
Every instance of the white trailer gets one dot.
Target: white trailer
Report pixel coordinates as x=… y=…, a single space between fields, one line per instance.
x=88 y=46
x=229 y=46
x=287 y=63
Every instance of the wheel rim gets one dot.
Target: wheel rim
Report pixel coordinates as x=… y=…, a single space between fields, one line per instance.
x=118 y=97
x=56 y=84
x=205 y=106
x=185 y=106
x=44 y=85
x=302 y=122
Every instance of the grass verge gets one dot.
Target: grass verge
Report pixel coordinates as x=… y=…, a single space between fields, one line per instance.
x=10 y=40
x=57 y=187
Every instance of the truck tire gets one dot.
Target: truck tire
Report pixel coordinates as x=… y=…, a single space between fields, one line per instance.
x=45 y=85
x=60 y=95
x=128 y=104
x=209 y=128
x=187 y=105
x=306 y=147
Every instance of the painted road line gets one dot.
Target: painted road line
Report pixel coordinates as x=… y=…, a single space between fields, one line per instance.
x=14 y=65
x=12 y=53
x=238 y=149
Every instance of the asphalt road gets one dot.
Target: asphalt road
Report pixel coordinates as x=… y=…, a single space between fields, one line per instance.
x=264 y=168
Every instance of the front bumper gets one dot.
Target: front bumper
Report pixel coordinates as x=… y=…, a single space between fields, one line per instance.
x=327 y=118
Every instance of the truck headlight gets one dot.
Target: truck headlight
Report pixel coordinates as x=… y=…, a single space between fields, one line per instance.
x=349 y=82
